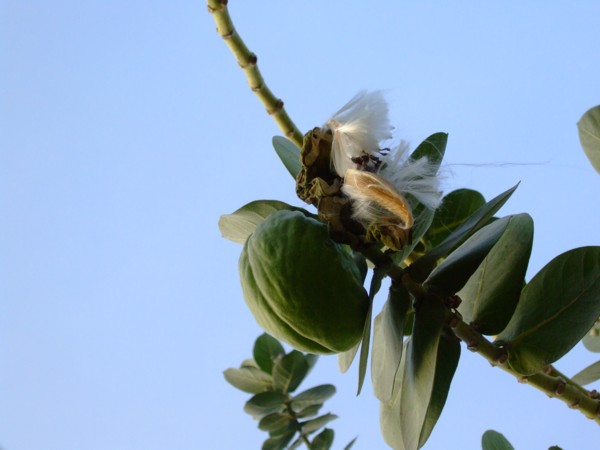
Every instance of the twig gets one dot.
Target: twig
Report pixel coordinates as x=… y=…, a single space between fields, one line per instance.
x=548 y=381
x=248 y=62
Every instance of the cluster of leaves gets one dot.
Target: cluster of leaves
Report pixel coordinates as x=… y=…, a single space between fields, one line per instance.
x=272 y=376
x=589 y=135
x=459 y=252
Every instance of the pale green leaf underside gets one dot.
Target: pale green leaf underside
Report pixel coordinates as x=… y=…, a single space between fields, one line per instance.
x=589 y=135
x=289 y=154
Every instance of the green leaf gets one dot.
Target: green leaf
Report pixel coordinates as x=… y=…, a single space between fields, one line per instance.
x=433 y=148
x=389 y=412
x=491 y=295
x=388 y=336
x=588 y=375
x=278 y=442
x=289 y=371
x=591 y=340
x=313 y=425
x=249 y=379
x=309 y=411
x=350 y=444
x=240 y=224
x=311 y=360
x=266 y=351
x=445 y=367
x=454 y=272
x=265 y=403
x=323 y=440
x=378 y=275
x=492 y=440
x=455 y=208
x=345 y=358
x=249 y=362
x=275 y=422
x=296 y=444
x=589 y=135
x=406 y=417
x=313 y=396
x=289 y=154
x=422 y=267
x=556 y=309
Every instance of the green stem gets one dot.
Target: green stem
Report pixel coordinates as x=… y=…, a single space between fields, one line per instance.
x=248 y=62
x=550 y=381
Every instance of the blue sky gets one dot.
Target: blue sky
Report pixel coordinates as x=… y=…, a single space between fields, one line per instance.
x=126 y=130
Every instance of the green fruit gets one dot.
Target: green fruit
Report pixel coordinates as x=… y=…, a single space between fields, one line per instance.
x=301 y=286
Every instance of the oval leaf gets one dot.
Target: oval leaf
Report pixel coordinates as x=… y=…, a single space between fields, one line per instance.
x=588 y=375
x=289 y=372
x=275 y=422
x=278 y=442
x=491 y=295
x=589 y=135
x=266 y=351
x=433 y=148
x=313 y=396
x=309 y=411
x=313 y=425
x=289 y=154
x=445 y=367
x=454 y=272
x=378 y=276
x=388 y=336
x=403 y=420
x=265 y=403
x=492 y=440
x=240 y=224
x=455 y=208
x=346 y=358
x=591 y=340
x=556 y=309
x=423 y=266
x=249 y=379
x=323 y=440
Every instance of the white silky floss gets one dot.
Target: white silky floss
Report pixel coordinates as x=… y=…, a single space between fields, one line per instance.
x=358 y=129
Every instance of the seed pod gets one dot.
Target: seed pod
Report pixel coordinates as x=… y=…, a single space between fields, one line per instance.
x=301 y=286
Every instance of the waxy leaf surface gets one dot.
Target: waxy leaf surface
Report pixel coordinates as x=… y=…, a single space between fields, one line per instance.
x=492 y=440
x=454 y=272
x=249 y=379
x=455 y=208
x=589 y=135
x=556 y=309
x=266 y=350
x=388 y=335
x=423 y=266
x=491 y=295
x=289 y=371
x=404 y=420
x=289 y=154
x=241 y=223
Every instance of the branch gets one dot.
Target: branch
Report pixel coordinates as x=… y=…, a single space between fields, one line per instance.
x=550 y=381
x=248 y=62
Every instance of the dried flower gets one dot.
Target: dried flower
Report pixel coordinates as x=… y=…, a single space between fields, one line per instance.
x=380 y=182
x=358 y=128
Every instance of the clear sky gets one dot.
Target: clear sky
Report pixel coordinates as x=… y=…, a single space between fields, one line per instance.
x=127 y=129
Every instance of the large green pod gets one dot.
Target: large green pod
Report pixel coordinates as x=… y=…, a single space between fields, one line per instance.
x=301 y=286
